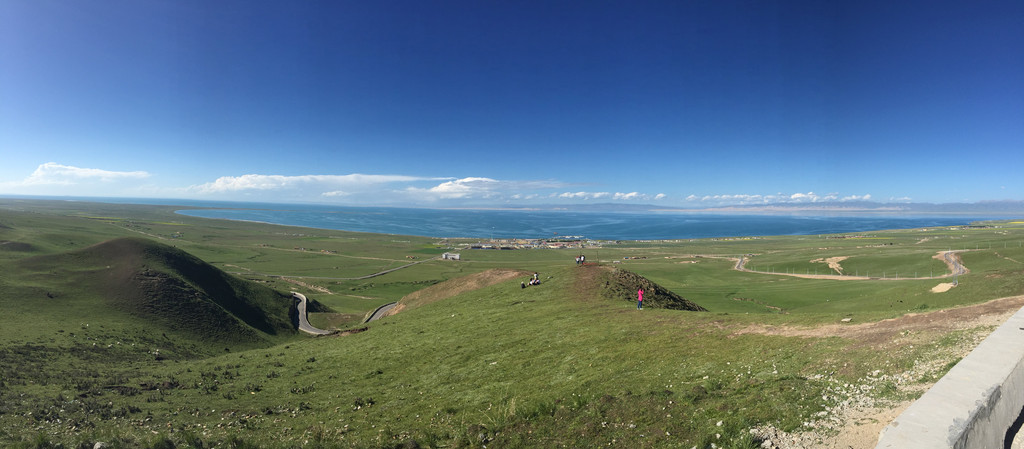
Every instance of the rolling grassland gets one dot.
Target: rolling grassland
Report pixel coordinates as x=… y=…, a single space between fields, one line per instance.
x=137 y=327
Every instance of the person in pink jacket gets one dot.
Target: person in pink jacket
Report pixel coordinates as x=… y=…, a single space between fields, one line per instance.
x=640 y=299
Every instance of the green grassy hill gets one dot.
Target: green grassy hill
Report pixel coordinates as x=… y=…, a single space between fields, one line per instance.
x=165 y=288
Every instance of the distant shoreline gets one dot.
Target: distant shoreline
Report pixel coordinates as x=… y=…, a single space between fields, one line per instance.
x=547 y=225
x=518 y=223
x=1002 y=208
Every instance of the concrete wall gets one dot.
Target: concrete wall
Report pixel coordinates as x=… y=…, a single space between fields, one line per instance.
x=974 y=404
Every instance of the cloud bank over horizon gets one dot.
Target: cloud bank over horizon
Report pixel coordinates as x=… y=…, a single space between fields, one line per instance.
x=360 y=189
x=52 y=173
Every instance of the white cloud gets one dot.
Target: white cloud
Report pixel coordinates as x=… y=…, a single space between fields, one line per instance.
x=749 y=199
x=227 y=184
x=356 y=188
x=576 y=195
x=584 y=195
x=812 y=197
x=738 y=199
x=482 y=188
x=617 y=196
x=520 y=196
x=465 y=187
x=866 y=197
x=52 y=173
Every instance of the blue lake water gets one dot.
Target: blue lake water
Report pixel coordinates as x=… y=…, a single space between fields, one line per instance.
x=486 y=224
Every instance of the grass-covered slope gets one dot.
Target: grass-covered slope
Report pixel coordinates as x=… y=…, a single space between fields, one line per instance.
x=559 y=364
x=166 y=288
x=562 y=364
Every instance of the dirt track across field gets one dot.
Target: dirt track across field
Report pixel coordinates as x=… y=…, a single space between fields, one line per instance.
x=989 y=313
x=951 y=258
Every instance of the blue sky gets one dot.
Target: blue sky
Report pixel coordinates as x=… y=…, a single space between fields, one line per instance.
x=456 y=104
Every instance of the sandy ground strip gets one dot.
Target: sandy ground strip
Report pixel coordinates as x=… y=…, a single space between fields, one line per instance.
x=833 y=263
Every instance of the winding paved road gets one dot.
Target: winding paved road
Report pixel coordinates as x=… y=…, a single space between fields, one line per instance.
x=303 y=321
x=379 y=313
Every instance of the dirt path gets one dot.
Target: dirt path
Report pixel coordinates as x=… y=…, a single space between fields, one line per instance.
x=988 y=313
x=953 y=262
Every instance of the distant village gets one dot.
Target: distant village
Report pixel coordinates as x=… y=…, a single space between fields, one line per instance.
x=565 y=242
x=562 y=242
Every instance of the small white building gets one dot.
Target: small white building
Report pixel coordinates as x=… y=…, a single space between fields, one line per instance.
x=451 y=256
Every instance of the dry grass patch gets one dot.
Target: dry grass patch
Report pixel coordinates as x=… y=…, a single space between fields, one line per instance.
x=457 y=286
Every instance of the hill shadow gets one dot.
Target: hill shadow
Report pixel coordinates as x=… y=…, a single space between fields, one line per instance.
x=166 y=287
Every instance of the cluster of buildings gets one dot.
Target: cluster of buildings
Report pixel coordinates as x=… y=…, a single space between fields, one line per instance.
x=557 y=243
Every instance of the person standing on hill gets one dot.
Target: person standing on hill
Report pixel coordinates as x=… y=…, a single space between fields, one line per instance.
x=640 y=299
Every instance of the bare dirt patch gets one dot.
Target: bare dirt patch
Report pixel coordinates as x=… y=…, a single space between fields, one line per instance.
x=833 y=263
x=864 y=426
x=457 y=286
x=587 y=280
x=943 y=287
x=860 y=431
x=346 y=333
